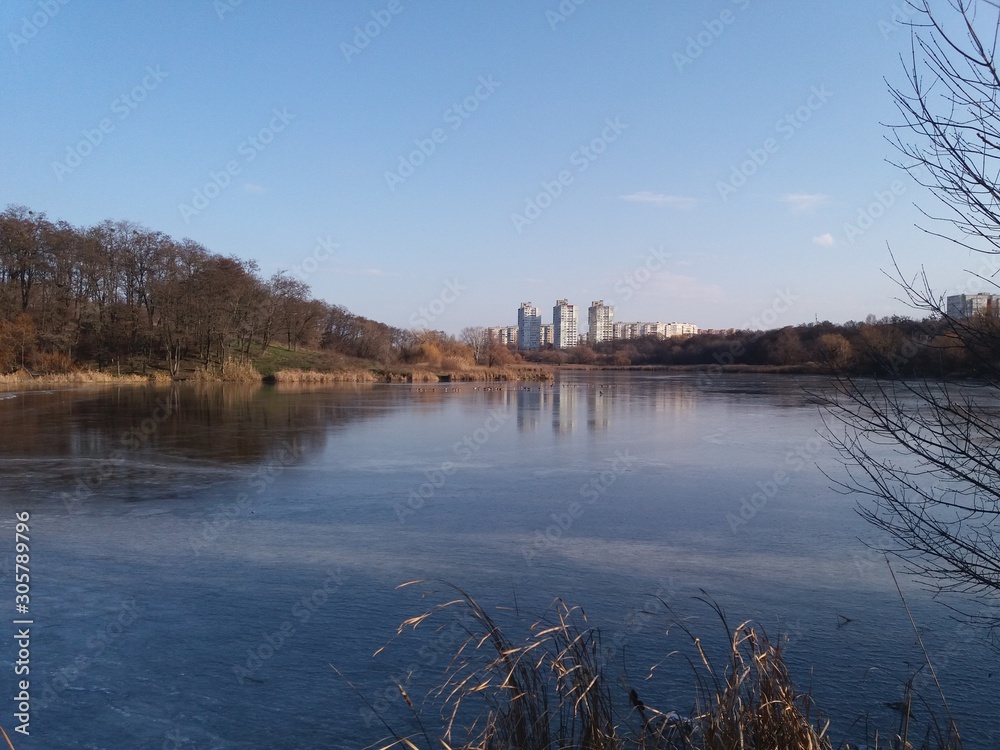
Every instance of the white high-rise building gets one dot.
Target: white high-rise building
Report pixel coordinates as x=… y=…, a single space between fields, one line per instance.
x=967 y=305
x=548 y=335
x=600 y=319
x=529 y=327
x=564 y=325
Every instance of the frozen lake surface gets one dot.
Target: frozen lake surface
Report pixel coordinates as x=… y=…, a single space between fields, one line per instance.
x=200 y=555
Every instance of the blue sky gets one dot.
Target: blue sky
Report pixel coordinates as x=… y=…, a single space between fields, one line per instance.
x=697 y=162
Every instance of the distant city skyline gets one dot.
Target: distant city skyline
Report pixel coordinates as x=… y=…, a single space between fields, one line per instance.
x=563 y=332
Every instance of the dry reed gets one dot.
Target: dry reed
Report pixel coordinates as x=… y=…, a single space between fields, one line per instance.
x=16 y=381
x=336 y=376
x=551 y=691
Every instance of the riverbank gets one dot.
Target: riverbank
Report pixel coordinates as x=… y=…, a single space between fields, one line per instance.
x=479 y=374
x=23 y=380
x=20 y=381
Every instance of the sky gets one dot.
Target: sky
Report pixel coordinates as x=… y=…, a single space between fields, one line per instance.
x=434 y=163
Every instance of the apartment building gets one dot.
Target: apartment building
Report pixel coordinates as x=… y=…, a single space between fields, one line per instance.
x=600 y=320
x=968 y=305
x=503 y=335
x=529 y=327
x=564 y=325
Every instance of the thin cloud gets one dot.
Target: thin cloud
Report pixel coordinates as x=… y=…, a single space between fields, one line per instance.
x=660 y=199
x=804 y=202
x=824 y=240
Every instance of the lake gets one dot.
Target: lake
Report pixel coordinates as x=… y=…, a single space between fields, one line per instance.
x=201 y=554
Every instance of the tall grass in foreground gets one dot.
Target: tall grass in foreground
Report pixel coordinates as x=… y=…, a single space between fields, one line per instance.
x=552 y=691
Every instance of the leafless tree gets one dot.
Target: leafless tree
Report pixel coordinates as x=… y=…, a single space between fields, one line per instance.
x=478 y=340
x=925 y=455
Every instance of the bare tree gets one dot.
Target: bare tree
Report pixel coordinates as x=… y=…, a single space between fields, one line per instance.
x=925 y=455
x=949 y=137
x=478 y=340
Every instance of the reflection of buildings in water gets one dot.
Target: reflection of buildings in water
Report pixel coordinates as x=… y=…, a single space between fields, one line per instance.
x=677 y=397
x=599 y=405
x=530 y=404
x=563 y=408
x=663 y=396
x=534 y=402
x=601 y=402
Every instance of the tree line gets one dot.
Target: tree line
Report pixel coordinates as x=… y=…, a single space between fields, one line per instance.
x=894 y=346
x=120 y=293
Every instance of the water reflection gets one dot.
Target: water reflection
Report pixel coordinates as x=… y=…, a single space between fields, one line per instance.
x=246 y=423
x=566 y=405
x=229 y=423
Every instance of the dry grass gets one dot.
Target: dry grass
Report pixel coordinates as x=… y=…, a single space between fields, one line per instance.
x=241 y=372
x=551 y=691
x=336 y=376
x=16 y=381
x=415 y=375
x=232 y=371
x=752 y=701
x=501 y=374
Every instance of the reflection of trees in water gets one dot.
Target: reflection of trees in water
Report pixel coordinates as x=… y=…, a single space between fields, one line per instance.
x=229 y=422
x=244 y=424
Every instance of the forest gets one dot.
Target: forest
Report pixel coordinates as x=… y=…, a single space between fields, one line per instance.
x=120 y=295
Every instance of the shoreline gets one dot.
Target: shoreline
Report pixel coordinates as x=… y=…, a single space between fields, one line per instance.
x=531 y=372
x=83 y=378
